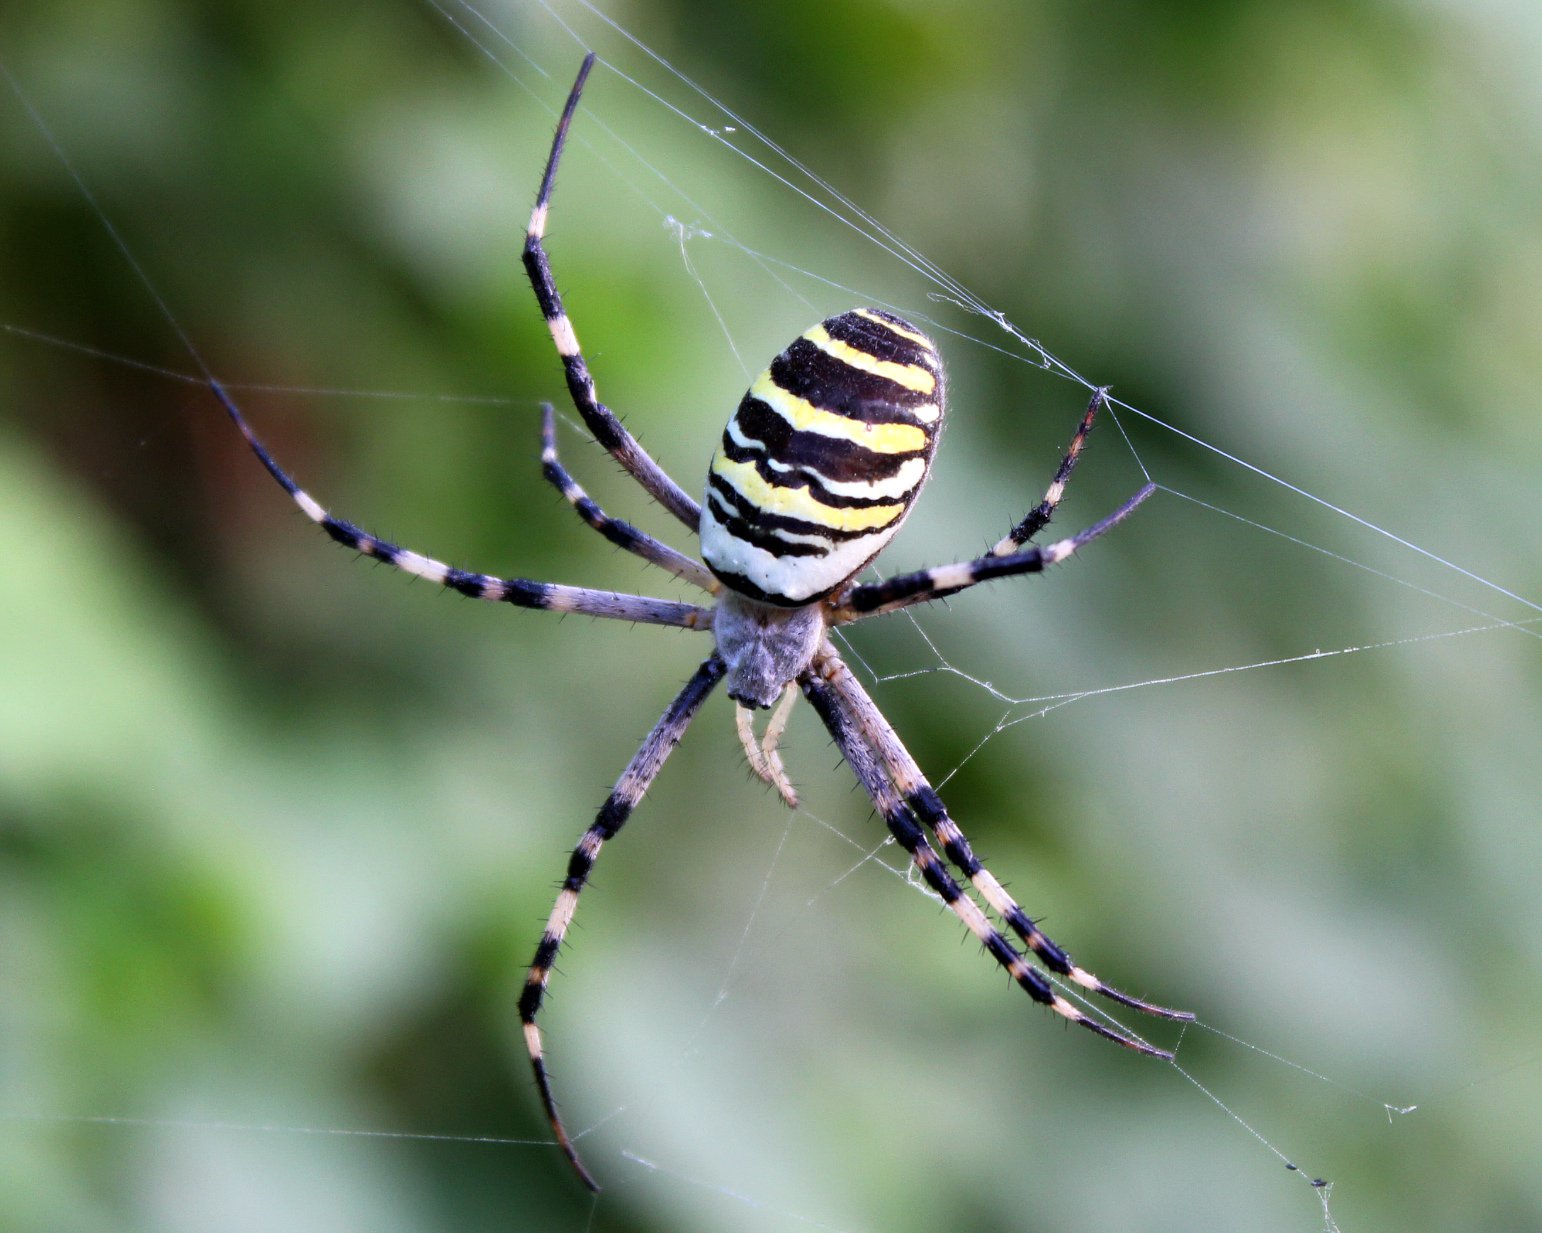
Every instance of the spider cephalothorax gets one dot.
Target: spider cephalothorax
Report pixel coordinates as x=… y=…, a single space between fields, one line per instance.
x=817 y=468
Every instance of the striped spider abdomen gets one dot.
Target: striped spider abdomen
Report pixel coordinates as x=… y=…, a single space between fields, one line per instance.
x=823 y=459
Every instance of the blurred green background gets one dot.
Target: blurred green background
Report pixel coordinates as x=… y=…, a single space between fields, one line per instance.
x=278 y=830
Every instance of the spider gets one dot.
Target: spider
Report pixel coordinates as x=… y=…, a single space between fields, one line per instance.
x=817 y=468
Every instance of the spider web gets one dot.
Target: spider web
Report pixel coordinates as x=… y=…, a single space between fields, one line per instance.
x=757 y=1029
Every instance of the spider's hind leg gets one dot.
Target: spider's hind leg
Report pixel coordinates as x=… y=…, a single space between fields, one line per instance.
x=600 y=419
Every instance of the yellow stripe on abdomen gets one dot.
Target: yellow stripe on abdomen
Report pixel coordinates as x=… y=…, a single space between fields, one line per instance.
x=892 y=324
x=911 y=376
x=806 y=417
x=798 y=502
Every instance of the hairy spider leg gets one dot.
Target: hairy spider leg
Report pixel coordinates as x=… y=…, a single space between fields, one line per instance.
x=634 y=781
x=1039 y=517
x=846 y=729
x=941 y=581
x=521 y=592
x=924 y=803
x=602 y=421
x=622 y=534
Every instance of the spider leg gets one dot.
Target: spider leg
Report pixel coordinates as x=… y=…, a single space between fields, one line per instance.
x=845 y=725
x=1038 y=518
x=634 y=781
x=926 y=585
x=521 y=592
x=622 y=534
x=923 y=801
x=602 y=422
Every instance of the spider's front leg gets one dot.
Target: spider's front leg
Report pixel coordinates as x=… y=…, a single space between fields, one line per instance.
x=922 y=800
x=825 y=687
x=634 y=781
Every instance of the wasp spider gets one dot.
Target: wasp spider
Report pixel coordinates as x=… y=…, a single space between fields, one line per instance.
x=817 y=468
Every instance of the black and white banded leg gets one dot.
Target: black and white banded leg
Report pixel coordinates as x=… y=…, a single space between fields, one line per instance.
x=922 y=800
x=521 y=592
x=601 y=420
x=622 y=534
x=1039 y=517
x=845 y=726
x=639 y=774
x=941 y=581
